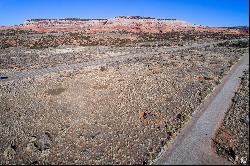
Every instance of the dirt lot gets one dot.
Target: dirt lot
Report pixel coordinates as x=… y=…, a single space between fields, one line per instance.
x=122 y=113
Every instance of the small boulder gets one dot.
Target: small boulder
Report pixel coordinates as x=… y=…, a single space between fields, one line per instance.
x=43 y=142
x=10 y=152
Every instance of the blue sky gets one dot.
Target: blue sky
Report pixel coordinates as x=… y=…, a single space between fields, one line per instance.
x=204 y=12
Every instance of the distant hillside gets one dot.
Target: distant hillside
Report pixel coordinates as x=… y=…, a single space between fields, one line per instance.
x=121 y=23
x=238 y=27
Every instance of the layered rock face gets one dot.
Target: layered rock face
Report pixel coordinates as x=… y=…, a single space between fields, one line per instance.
x=136 y=24
x=117 y=21
x=126 y=23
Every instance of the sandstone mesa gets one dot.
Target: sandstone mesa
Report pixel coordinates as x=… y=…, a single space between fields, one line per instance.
x=121 y=23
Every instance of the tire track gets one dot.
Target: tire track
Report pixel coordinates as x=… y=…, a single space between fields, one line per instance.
x=65 y=67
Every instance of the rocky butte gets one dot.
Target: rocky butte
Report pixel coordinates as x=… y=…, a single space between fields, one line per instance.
x=120 y=23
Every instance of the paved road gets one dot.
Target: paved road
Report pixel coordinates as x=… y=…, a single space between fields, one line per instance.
x=65 y=67
x=193 y=144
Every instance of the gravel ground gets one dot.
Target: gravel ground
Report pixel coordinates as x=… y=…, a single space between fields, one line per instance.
x=19 y=58
x=232 y=138
x=39 y=40
x=26 y=50
x=121 y=113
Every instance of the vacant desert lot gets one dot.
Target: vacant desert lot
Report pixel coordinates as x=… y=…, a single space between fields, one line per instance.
x=120 y=113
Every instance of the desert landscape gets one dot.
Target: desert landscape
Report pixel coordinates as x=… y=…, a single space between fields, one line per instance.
x=111 y=91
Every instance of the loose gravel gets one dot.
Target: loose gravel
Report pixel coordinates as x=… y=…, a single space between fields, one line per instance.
x=120 y=113
x=232 y=138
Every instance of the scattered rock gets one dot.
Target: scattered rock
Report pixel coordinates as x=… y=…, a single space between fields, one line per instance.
x=35 y=163
x=142 y=115
x=102 y=68
x=43 y=142
x=10 y=152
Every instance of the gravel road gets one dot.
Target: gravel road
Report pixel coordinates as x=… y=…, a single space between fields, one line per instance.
x=232 y=138
x=193 y=145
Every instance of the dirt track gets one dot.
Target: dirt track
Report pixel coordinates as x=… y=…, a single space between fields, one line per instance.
x=194 y=145
x=103 y=61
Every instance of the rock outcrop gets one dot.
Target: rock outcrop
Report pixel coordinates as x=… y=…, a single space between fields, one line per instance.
x=120 y=23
